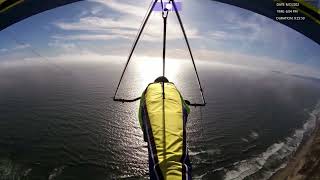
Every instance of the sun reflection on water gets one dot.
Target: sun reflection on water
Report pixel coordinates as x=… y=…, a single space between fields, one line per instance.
x=149 y=68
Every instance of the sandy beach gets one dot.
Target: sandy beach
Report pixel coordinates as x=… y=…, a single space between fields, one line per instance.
x=305 y=163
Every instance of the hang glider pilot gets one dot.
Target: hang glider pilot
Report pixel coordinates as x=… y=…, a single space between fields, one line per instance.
x=165 y=135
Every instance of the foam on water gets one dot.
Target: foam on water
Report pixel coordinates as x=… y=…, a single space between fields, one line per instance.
x=207 y=152
x=10 y=169
x=275 y=155
x=244 y=139
x=254 y=135
x=56 y=172
x=203 y=175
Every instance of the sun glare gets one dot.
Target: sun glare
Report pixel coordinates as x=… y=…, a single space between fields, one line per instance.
x=149 y=68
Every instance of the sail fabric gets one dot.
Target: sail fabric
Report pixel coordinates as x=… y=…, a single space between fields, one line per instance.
x=13 y=11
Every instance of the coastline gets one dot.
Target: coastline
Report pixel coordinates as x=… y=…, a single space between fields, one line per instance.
x=305 y=162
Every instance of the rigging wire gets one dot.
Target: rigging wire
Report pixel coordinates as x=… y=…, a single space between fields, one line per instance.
x=190 y=52
x=162 y=6
x=165 y=12
x=164 y=17
x=35 y=52
x=151 y=7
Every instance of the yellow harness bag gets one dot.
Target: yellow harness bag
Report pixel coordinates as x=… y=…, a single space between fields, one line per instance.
x=163 y=121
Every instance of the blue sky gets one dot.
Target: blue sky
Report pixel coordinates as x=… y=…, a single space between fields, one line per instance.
x=218 y=33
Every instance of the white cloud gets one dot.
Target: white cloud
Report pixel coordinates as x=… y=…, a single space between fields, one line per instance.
x=21 y=46
x=83 y=56
x=232 y=26
x=235 y=24
x=3 y=50
x=89 y=37
x=204 y=57
x=123 y=8
x=65 y=46
x=96 y=24
x=224 y=36
x=108 y=28
x=124 y=24
x=257 y=62
x=15 y=48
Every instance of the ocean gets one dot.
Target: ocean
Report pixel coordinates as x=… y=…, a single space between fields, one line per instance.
x=58 y=120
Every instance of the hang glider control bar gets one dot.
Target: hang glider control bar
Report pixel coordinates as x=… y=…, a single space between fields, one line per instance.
x=165 y=13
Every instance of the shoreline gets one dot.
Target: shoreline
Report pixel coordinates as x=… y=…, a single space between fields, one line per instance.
x=304 y=164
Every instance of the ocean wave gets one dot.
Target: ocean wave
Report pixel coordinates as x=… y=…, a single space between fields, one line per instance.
x=274 y=158
x=254 y=135
x=199 y=177
x=207 y=152
x=244 y=139
x=10 y=169
x=56 y=172
x=249 y=148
